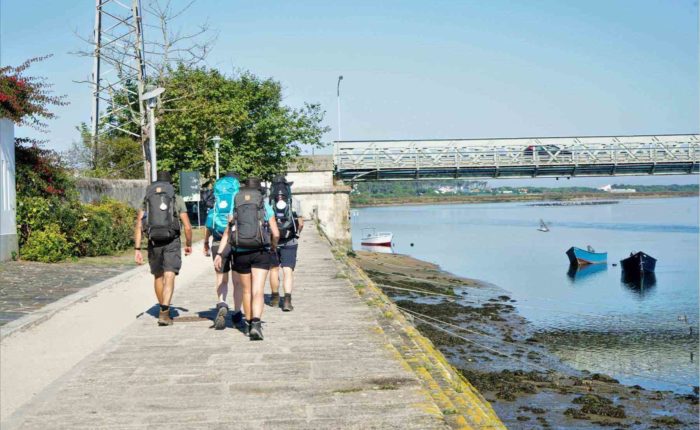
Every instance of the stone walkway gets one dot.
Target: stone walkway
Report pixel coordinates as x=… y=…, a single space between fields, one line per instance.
x=26 y=286
x=324 y=365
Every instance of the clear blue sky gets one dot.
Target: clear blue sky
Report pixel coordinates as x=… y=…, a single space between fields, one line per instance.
x=423 y=69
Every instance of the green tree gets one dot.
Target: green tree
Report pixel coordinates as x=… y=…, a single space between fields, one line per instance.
x=260 y=135
x=114 y=156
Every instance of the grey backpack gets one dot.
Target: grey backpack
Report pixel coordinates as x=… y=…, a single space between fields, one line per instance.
x=162 y=224
x=250 y=230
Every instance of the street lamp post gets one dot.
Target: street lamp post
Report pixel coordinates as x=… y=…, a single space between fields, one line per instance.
x=216 y=140
x=151 y=98
x=340 y=78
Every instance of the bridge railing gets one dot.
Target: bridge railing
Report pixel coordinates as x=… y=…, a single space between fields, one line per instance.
x=457 y=154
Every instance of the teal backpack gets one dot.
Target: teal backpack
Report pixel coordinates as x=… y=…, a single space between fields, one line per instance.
x=225 y=189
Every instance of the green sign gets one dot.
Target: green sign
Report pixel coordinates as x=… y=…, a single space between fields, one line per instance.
x=189 y=186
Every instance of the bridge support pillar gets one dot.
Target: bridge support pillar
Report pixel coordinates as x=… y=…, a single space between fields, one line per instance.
x=321 y=197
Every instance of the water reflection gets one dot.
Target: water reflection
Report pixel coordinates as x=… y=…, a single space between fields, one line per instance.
x=639 y=285
x=578 y=273
x=379 y=249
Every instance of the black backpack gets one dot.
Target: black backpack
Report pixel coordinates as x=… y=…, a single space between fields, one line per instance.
x=162 y=224
x=250 y=230
x=286 y=223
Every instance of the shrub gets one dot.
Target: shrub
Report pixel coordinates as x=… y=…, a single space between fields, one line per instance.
x=122 y=219
x=33 y=213
x=47 y=246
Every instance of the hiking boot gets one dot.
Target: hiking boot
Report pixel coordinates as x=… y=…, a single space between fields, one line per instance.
x=237 y=318
x=245 y=327
x=275 y=300
x=256 y=331
x=287 y=306
x=164 y=318
x=220 y=320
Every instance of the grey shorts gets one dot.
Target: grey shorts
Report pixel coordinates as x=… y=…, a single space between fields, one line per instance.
x=165 y=258
x=287 y=256
x=226 y=261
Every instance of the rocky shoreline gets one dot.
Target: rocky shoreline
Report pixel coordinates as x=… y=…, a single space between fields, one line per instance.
x=478 y=329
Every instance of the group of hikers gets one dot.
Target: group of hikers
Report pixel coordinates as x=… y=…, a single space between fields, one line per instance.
x=253 y=234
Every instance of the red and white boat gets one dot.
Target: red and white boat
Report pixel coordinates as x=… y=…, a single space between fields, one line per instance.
x=370 y=237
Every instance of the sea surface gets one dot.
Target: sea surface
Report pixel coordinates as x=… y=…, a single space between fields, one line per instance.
x=593 y=319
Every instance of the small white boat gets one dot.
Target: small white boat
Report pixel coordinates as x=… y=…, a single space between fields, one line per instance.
x=370 y=237
x=543 y=226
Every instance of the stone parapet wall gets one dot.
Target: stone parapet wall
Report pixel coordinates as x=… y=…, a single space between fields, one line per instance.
x=321 y=197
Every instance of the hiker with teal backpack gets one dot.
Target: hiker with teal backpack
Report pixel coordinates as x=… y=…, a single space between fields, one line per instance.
x=290 y=225
x=218 y=215
x=164 y=214
x=252 y=233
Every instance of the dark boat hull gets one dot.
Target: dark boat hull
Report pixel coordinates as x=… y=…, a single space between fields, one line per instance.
x=638 y=264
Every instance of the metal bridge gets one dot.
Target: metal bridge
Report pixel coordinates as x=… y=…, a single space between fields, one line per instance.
x=517 y=158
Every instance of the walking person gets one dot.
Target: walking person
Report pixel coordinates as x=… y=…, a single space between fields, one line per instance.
x=165 y=215
x=253 y=234
x=290 y=225
x=217 y=218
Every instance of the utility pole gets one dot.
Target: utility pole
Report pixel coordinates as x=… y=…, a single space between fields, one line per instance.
x=118 y=64
x=97 y=37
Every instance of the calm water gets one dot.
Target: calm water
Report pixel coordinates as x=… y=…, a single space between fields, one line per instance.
x=640 y=335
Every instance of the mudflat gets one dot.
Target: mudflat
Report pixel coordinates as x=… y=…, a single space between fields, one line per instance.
x=477 y=327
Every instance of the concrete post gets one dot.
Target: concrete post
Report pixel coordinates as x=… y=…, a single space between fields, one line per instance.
x=321 y=197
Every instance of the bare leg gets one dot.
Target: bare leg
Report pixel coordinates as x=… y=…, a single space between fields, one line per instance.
x=275 y=279
x=288 y=279
x=258 y=291
x=168 y=287
x=158 y=287
x=237 y=291
x=247 y=294
x=222 y=286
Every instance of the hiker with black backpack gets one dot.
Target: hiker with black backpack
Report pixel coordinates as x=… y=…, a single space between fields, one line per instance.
x=290 y=225
x=253 y=235
x=218 y=215
x=164 y=214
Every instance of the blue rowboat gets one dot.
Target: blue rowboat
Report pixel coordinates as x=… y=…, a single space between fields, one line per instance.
x=582 y=257
x=578 y=273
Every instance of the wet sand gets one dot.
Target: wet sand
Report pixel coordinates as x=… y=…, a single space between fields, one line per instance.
x=478 y=329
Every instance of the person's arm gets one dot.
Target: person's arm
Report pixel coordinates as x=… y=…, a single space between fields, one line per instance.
x=222 y=248
x=274 y=233
x=207 y=235
x=300 y=224
x=188 y=232
x=138 y=256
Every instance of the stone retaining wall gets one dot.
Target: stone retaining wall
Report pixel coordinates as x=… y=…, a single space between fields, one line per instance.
x=129 y=191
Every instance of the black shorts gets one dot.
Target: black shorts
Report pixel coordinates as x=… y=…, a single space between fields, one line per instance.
x=225 y=258
x=165 y=257
x=287 y=256
x=243 y=262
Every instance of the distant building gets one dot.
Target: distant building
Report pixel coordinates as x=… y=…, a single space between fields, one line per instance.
x=609 y=189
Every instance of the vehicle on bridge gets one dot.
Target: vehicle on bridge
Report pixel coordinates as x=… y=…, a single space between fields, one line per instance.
x=549 y=151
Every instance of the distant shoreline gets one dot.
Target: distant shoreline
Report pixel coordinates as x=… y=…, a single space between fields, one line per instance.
x=505 y=198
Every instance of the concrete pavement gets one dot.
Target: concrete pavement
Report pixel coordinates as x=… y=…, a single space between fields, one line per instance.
x=327 y=364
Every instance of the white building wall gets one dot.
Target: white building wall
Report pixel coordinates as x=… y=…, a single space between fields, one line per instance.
x=8 y=227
